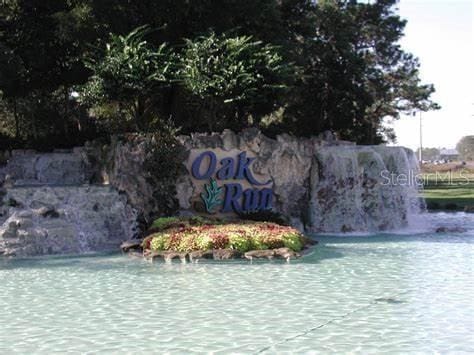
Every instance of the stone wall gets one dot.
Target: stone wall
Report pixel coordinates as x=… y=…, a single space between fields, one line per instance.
x=48 y=205
x=320 y=184
x=287 y=160
x=94 y=194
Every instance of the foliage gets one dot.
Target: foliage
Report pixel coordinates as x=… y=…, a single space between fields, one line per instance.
x=161 y=171
x=41 y=46
x=164 y=223
x=294 y=66
x=465 y=147
x=233 y=80
x=187 y=234
x=130 y=74
x=158 y=242
x=293 y=241
x=429 y=153
x=240 y=241
x=355 y=72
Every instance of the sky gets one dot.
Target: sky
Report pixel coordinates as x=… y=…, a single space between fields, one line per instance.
x=441 y=34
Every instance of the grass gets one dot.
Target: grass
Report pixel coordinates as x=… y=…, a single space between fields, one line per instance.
x=449 y=189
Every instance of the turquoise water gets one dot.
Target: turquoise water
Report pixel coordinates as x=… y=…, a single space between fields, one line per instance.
x=402 y=293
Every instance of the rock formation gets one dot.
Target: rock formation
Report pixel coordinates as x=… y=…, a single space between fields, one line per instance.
x=323 y=185
x=88 y=198
x=48 y=207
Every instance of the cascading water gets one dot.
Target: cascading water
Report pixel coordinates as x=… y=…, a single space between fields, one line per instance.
x=47 y=208
x=363 y=188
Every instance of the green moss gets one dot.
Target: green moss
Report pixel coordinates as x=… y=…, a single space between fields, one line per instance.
x=163 y=223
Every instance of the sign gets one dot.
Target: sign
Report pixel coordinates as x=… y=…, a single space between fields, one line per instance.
x=231 y=185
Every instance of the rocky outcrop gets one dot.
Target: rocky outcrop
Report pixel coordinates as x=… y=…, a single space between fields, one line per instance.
x=287 y=160
x=322 y=185
x=223 y=254
x=121 y=164
x=62 y=167
x=88 y=198
x=43 y=220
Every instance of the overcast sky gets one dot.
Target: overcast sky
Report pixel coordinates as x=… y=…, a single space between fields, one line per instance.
x=440 y=34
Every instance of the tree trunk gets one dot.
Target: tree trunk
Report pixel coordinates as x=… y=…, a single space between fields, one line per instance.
x=139 y=115
x=17 y=119
x=66 y=112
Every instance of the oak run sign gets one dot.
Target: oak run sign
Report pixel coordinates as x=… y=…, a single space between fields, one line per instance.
x=225 y=191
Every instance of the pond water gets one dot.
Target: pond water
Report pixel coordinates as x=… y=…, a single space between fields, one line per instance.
x=392 y=293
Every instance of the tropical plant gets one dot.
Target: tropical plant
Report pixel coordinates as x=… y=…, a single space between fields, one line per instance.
x=233 y=81
x=128 y=78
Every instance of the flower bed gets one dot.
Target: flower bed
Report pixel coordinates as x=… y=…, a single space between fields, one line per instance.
x=183 y=236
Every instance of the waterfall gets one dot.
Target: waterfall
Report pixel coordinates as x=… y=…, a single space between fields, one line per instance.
x=48 y=207
x=363 y=188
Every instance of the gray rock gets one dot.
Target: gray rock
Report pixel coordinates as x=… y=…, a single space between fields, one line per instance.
x=258 y=254
x=200 y=254
x=131 y=244
x=286 y=253
x=225 y=254
x=70 y=225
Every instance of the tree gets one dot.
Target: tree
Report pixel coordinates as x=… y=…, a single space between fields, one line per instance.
x=351 y=72
x=356 y=73
x=429 y=153
x=465 y=147
x=128 y=79
x=232 y=81
x=41 y=44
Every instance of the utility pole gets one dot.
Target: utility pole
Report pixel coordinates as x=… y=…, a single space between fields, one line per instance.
x=421 y=140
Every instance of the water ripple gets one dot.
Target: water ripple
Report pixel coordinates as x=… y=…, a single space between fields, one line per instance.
x=383 y=294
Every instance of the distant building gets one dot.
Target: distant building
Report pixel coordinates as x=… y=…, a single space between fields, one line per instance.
x=448 y=154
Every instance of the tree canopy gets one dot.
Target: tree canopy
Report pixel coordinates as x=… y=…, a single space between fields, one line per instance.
x=76 y=69
x=465 y=148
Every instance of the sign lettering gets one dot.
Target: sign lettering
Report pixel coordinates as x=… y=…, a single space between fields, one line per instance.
x=231 y=195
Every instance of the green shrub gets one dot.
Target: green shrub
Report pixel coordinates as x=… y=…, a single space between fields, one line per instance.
x=185 y=234
x=272 y=241
x=203 y=242
x=240 y=242
x=293 y=241
x=433 y=206
x=186 y=243
x=159 y=242
x=163 y=223
x=259 y=244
